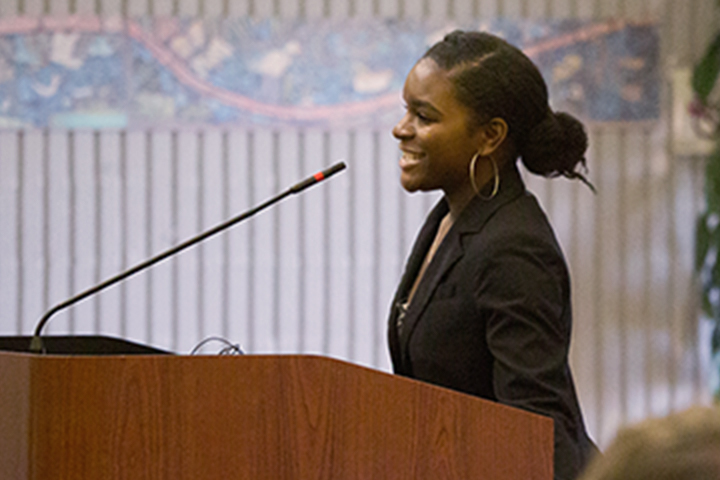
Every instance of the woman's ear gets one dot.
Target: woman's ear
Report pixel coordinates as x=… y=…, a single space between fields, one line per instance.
x=493 y=134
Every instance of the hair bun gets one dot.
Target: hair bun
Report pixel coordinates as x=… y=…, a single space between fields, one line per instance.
x=556 y=146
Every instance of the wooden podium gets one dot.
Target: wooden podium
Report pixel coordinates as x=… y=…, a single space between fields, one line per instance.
x=153 y=416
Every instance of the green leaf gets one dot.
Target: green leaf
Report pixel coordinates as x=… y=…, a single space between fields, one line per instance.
x=715 y=276
x=706 y=71
x=712 y=182
x=702 y=241
x=706 y=307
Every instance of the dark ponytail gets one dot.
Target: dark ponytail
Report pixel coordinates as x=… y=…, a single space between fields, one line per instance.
x=556 y=147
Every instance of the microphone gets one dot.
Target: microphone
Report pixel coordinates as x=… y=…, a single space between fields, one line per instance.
x=36 y=343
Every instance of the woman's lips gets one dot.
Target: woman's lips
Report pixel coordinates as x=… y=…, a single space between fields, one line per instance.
x=410 y=159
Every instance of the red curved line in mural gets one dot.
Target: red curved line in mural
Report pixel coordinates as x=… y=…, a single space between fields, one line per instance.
x=186 y=76
x=319 y=112
x=308 y=113
x=585 y=34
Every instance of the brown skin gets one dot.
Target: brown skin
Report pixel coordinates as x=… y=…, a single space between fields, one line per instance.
x=439 y=136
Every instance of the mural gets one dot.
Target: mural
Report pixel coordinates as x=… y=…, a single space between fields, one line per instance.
x=149 y=72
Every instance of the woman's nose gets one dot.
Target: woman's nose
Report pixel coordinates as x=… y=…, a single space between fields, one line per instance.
x=402 y=129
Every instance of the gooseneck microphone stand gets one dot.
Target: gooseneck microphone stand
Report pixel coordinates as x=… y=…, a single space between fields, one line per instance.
x=36 y=343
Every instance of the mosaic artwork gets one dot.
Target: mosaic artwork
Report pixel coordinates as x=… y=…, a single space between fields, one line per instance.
x=149 y=72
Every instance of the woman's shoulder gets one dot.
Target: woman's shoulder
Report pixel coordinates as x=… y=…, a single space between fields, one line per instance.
x=521 y=215
x=519 y=225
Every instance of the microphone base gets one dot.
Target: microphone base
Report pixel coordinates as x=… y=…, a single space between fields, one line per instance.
x=36 y=344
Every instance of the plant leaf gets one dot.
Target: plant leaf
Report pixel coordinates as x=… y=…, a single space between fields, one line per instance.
x=712 y=182
x=706 y=71
x=702 y=241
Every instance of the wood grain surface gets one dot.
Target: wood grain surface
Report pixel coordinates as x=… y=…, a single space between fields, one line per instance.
x=256 y=417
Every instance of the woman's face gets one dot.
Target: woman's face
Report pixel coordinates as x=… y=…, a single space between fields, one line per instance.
x=434 y=137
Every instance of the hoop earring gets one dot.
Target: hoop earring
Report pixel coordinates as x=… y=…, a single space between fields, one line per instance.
x=496 y=178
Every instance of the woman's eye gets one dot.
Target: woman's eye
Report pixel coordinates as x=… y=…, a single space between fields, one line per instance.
x=418 y=114
x=423 y=118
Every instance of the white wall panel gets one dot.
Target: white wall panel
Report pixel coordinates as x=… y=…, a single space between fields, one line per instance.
x=583 y=252
x=135 y=219
x=289 y=8
x=160 y=235
x=462 y=9
x=415 y=9
x=536 y=9
x=8 y=8
x=211 y=252
x=606 y=175
x=213 y=8
x=59 y=265
x=38 y=7
x=436 y=10
x=287 y=323
x=322 y=9
x=32 y=213
x=312 y=232
x=587 y=9
x=361 y=171
x=186 y=269
x=238 y=239
x=512 y=8
x=84 y=227
x=10 y=239
x=261 y=9
x=338 y=249
x=238 y=8
x=110 y=205
x=262 y=185
x=704 y=21
x=187 y=8
x=561 y=8
x=111 y=8
x=609 y=8
x=489 y=9
x=163 y=8
x=635 y=265
x=138 y=7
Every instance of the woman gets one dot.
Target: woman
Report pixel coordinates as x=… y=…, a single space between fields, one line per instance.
x=484 y=304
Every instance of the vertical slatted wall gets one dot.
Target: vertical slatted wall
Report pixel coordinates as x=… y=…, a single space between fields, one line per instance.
x=315 y=274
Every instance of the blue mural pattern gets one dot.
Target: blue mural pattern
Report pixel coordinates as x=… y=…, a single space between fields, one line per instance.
x=146 y=72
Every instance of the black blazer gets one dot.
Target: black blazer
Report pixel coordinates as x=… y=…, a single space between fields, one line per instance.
x=492 y=315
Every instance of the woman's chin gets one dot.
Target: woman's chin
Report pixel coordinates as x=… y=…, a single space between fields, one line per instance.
x=409 y=183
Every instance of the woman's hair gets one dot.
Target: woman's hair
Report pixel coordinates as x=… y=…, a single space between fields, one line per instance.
x=496 y=80
x=681 y=446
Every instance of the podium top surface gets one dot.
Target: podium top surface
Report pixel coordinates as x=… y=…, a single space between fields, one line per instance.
x=79 y=345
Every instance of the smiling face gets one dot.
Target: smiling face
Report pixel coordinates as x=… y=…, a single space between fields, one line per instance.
x=435 y=135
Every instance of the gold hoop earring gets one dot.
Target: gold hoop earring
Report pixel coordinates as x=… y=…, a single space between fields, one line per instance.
x=496 y=178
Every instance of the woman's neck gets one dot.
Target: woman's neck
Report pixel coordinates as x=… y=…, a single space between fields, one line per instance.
x=457 y=201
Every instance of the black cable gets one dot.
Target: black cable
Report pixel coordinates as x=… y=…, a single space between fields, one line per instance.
x=229 y=349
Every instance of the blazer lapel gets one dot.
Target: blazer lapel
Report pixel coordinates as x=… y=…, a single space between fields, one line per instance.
x=447 y=255
x=412 y=267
